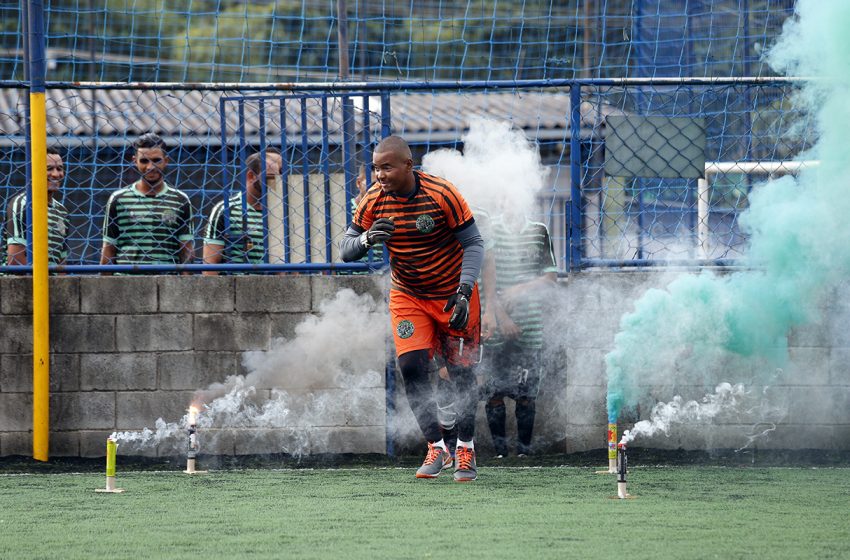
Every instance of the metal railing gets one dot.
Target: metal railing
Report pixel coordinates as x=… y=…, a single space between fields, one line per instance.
x=331 y=136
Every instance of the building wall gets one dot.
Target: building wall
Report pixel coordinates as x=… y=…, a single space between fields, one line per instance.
x=127 y=351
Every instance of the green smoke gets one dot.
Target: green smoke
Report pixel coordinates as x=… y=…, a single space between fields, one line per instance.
x=799 y=242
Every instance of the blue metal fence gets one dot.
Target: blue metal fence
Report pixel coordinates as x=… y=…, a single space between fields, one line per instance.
x=325 y=130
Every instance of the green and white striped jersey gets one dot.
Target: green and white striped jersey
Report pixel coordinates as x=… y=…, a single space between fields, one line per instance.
x=246 y=248
x=522 y=256
x=57 y=227
x=148 y=229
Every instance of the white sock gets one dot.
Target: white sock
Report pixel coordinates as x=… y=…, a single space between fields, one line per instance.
x=440 y=443
x=468 y=444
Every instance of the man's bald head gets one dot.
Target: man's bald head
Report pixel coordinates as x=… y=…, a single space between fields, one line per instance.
x=393 y=166
x=395 y=145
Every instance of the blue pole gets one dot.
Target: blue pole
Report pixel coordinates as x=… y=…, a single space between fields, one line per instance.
x=749 y=109
x=305 y=170
x=225 y=174
x=367 y=140
x=691 y=185
x=574 y=233
x=348 y=142
x=642 y=70
x=240 y=171
x=264 y=201
x=366 y=153
x=386 y=115
x=284 y=175
x=27 y=136
x=640 y=185
x=407 y=86
x=326 y=175
x=386 y=130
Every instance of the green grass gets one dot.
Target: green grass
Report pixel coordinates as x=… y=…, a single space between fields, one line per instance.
x=518 y=513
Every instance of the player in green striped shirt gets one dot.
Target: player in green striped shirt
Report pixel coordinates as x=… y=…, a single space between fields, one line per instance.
x=246 y=234
x=523 y=267
x=148 y=222
x=57 y=218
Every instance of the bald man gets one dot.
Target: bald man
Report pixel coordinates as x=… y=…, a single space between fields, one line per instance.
x=436 y=253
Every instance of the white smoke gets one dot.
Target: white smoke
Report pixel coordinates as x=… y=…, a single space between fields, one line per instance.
x=499 y=170
x=679 y=411
x=748 y=407
x=332 y=372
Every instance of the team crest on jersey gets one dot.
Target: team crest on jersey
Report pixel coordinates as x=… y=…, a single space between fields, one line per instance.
x=404 y=329
x=169 y=217
x=425 y=223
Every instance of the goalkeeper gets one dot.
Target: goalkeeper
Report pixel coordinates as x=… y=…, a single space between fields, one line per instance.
x=435 y=253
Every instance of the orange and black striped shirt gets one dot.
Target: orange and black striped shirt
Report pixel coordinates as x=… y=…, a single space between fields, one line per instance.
x=425 y=256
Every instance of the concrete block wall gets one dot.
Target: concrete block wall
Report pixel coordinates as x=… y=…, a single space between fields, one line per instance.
x=128 y=350
x=806 y=401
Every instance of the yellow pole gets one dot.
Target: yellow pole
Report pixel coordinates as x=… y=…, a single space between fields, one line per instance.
x=40 y=293
x=111 y=451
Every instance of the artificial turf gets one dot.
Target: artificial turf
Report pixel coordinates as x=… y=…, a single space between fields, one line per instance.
x=384 y=512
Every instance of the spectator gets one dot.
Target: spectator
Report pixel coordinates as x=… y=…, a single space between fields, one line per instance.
x=57 y=218
x=148 y=222
x=375 y=255
x=362 y=187
x=524 y=267
x=435 y=258
x=246 y=239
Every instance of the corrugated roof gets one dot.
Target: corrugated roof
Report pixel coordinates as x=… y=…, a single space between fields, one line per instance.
x=112 y=115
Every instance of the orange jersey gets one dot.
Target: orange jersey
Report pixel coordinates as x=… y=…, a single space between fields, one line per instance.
x=425 y=256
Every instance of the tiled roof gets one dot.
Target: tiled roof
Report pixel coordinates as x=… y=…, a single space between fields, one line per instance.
x=193 y=116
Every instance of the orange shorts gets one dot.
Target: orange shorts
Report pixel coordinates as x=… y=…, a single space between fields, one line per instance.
x=421 y=324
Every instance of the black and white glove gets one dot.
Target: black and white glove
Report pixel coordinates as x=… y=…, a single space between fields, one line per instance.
x=460 y=302
x=382 y=229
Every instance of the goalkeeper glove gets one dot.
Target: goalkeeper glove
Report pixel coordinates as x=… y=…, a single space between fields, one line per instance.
x=382 y=229
x=460 y=302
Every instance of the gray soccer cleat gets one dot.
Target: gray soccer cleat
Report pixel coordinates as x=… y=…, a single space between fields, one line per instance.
x=465 y=469
x=436 y=460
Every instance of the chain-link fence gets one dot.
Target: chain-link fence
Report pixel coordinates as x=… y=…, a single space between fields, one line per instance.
x=512 y=61
x=643 y=153
x=668 y=175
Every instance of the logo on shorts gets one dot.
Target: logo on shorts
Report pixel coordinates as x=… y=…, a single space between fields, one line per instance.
x=425 y=223
x=404 y=329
